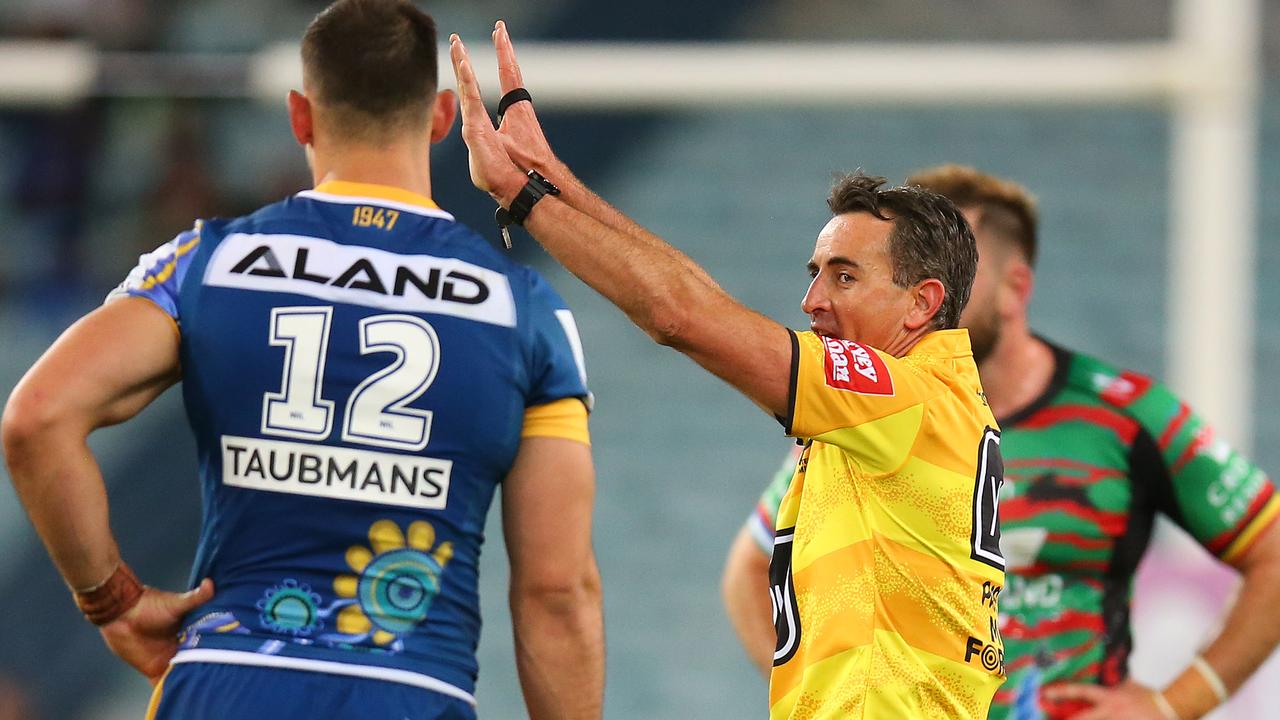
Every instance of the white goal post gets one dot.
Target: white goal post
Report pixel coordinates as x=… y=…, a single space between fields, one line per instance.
x=1207 y=75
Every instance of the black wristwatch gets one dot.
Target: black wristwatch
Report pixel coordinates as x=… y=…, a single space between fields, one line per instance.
x=537 y=188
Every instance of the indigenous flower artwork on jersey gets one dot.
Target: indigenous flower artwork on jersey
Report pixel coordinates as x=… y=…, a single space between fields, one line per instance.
x=398 y=578
x=395 y=579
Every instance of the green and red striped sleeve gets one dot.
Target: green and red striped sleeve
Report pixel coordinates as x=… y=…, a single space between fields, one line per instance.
x=1217 y=494
x=761 y=523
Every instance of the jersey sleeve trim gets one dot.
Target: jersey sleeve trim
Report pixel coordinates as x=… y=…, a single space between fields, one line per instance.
x=565 y=418
x=1265 y=516
x=794 y=381
x=158 y=276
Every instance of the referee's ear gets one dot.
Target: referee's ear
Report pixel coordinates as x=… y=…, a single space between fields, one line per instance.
x=300 y=121
x=926 y=301
x=443 y=113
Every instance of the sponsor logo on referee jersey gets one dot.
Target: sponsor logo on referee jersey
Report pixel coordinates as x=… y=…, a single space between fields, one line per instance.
x=362 y=276
x=335 y=472
x=989 y=651
x=855 y=367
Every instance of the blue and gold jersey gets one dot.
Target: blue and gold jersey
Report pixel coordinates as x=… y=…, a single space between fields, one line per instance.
x=358 y=370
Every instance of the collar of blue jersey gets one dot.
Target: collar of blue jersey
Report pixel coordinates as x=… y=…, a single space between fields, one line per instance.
x=358 y=193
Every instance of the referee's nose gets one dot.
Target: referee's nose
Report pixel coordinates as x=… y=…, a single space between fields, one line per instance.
x=816 y=297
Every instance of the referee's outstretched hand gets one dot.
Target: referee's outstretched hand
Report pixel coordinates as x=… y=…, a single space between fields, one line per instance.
x=146 y=637
x=492 y=169
x=521 y=132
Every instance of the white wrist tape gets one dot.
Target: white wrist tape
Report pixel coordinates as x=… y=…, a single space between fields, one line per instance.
x=1211 y=677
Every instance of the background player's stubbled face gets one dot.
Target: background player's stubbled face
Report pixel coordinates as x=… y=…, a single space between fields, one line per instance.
x=981 y=316
x=852 y=295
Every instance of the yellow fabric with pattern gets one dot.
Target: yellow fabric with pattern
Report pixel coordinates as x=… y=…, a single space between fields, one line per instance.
x=894 y=612
x=564 y=418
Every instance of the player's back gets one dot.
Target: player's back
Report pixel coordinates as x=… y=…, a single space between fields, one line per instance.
x=357 y=369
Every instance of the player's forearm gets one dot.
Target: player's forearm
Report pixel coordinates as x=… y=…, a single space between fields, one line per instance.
x=559 y=636
x=60 y=485
x=660 y=288
x=745 y=590
x=1247 y=639
x=577 y=195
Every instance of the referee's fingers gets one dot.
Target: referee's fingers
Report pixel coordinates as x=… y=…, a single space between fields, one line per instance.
x=508 y=68
x=1094 y=713
x=1075 y=691
x=468 y=88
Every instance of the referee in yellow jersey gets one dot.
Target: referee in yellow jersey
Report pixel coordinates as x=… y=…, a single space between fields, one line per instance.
x=887 y=568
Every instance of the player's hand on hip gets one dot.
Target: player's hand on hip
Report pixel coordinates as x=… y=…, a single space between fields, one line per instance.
x=492 y=169
x=1126 y=701
x=146 y=636
x=521 y=132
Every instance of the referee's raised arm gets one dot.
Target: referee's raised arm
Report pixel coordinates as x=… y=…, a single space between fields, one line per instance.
x=660 y=289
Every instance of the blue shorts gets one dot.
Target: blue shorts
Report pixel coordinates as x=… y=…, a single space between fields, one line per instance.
x=215 y=691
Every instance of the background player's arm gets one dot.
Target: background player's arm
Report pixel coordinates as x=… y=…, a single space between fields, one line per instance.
x=745 y=589
x=1229 y=506
x=1249 y=635
x=103 y=370
x=556 y=605
x=1210 y=487
x=663 y=291
x=1247 y=639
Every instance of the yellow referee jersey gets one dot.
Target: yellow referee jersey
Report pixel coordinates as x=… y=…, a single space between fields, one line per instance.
x=886 y=568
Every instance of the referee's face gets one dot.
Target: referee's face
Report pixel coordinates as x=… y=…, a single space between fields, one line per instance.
x=852 y=295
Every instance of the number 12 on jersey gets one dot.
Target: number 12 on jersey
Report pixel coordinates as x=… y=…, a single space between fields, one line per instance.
x=377 y=411
x=986 y=501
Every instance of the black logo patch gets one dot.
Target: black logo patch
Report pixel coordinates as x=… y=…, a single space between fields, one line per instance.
x=786 y=611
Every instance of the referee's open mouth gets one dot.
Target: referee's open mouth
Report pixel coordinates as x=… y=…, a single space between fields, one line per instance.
x=823 y=328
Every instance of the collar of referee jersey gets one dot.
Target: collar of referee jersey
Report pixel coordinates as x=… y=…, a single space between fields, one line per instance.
x=944 y=344
x=358 y=193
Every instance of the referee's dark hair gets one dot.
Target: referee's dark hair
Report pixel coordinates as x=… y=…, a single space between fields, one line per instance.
x=930 y=238
x=372 y=64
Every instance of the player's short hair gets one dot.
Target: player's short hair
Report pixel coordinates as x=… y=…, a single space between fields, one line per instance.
x=372 y=64
x=929 y=239
x=1005 y=208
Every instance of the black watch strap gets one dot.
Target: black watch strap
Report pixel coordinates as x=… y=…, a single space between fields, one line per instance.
x=522 y=204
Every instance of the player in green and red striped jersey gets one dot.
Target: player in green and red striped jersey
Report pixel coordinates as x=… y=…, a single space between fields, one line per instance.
x=1091 y=455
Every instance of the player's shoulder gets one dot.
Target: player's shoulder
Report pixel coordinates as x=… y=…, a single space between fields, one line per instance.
x=1123 y=390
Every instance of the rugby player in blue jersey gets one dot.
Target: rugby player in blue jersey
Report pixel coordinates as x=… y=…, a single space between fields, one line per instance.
x=360 y=372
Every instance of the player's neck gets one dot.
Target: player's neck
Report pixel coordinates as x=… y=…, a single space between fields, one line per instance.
x=1017 y=372
x=404 y=167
